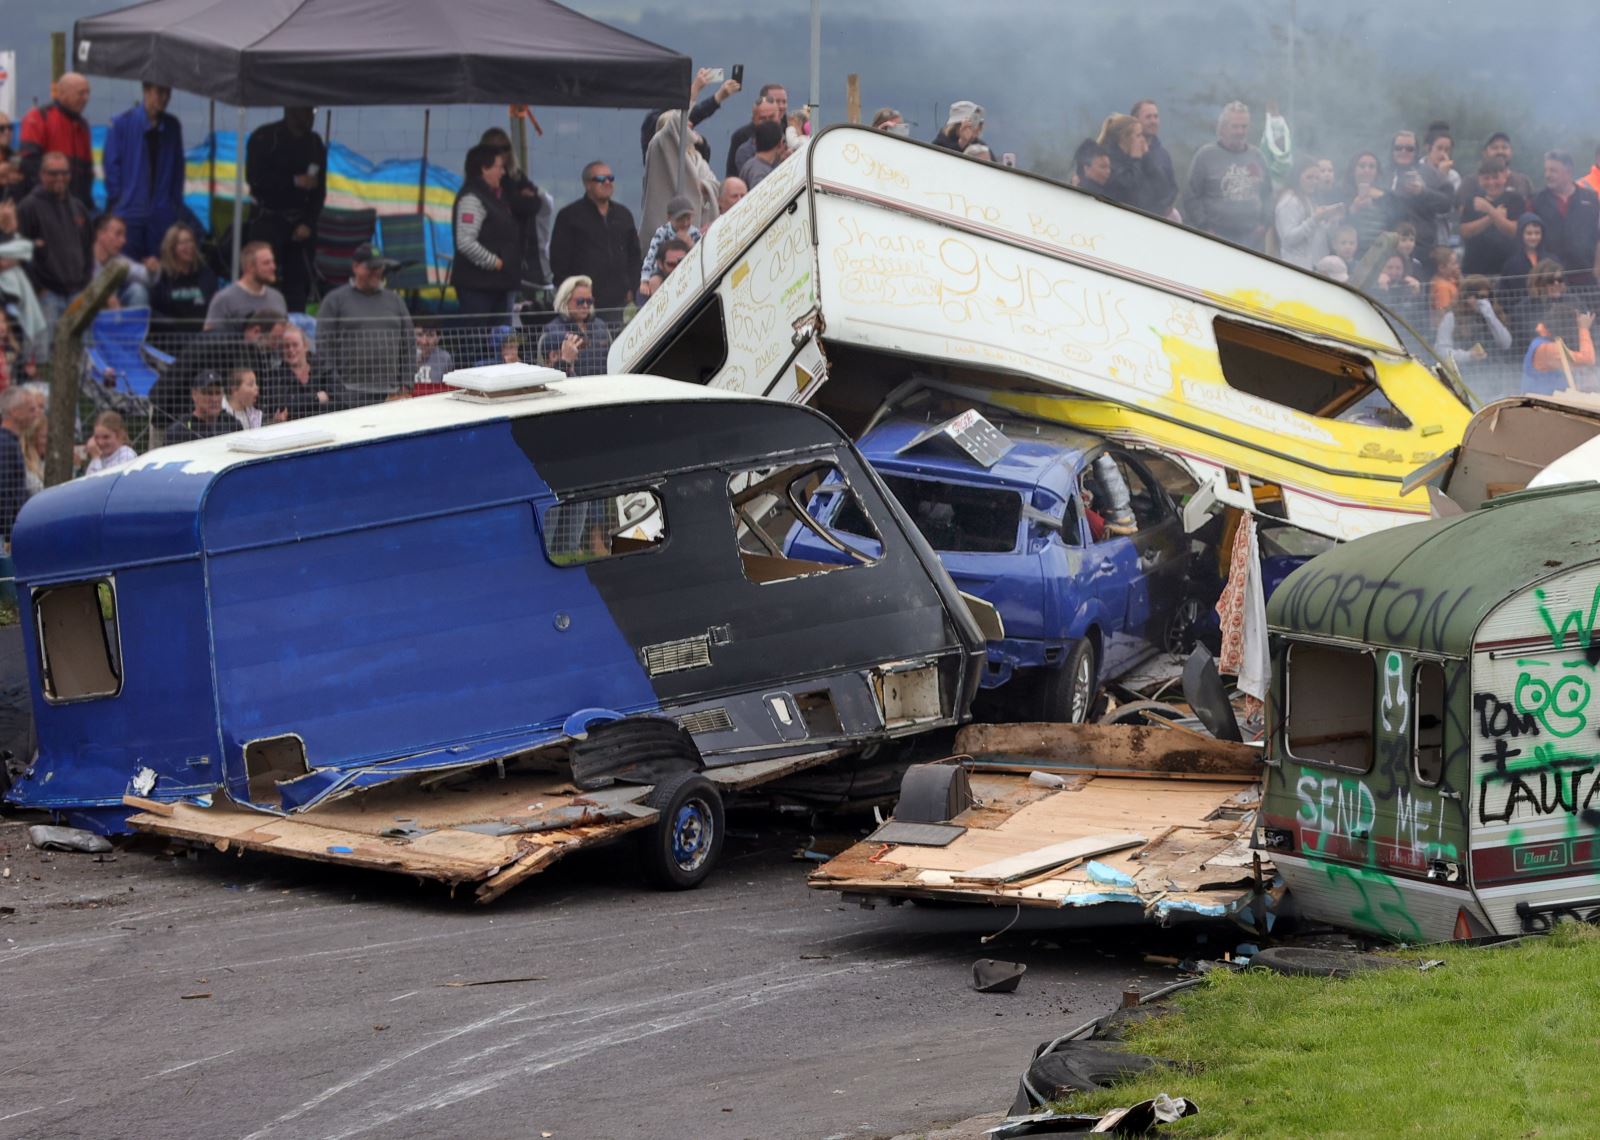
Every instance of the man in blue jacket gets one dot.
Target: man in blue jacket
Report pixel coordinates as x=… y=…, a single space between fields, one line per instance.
x=144 y=171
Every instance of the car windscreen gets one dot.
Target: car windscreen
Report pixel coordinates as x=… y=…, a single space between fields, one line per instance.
x=952 y=517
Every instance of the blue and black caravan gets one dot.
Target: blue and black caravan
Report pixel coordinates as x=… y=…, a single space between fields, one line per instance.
x=567 y=601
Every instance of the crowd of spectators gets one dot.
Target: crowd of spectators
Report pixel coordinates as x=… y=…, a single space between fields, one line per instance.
x=1499 y=276
x=1493 y=274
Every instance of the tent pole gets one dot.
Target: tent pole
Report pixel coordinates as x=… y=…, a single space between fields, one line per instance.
x=238 y=192
x=422 y=175
x=211 y=178
x=816 y=63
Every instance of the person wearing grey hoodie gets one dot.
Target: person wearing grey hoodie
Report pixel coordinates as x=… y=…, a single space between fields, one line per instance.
x=1229 y=191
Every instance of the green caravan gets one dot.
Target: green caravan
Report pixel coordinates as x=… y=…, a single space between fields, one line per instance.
x=1433 y=747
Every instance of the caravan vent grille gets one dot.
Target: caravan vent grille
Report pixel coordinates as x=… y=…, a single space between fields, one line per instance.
x=706 y=720
x=677 y=656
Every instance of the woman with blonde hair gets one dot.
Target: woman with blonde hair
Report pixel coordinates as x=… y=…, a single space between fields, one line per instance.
x=108 y=447
x=576 y=341
x=180 y=296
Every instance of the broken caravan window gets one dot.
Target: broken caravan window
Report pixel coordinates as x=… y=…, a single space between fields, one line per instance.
x=770 y=509
x=1428 y=696
x=952 y=517
x=698 y=352
x=1326 y=382
x=577 y=531
x=1330 y=700
x=80 y=655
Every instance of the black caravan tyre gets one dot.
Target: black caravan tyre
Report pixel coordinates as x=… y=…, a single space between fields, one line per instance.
x=678 y=851
x=1069 y=691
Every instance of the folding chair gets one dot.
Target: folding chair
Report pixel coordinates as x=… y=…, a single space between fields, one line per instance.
x=118 y=356
x=404 y=237
x=338 y=234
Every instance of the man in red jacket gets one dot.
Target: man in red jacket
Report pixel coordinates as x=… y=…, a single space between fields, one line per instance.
x=59 y=128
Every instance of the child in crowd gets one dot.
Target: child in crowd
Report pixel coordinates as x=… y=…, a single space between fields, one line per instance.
x=1333 y=267
x=1406 y=246
x=241 y=398
x=1346 y=240
x=680 y=225
x=108 y=447
x=1446 y=283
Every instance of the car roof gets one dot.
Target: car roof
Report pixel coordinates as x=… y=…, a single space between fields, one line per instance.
x=1046 y=459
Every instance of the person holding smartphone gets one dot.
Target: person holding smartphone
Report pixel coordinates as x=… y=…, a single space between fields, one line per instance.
x=575 y=342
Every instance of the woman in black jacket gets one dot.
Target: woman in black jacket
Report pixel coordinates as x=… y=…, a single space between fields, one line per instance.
x=487 y=269
x=180 y=296
x=1123 y=139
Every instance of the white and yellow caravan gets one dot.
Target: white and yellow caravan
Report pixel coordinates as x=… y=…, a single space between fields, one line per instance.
x=869 y=262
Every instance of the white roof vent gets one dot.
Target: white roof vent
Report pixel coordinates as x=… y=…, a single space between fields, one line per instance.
x=279 y=437
x=495 y=382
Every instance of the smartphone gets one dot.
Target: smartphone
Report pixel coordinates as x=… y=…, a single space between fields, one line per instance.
x=738 y=74
x=716 y=75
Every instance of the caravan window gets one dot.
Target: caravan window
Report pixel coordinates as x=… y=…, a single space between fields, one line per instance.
x=79 y=653
x=777 y=534
x=1302 y=375
x=1331 y=697
x=577 y=531
x=952 y=517
x=1427 y=695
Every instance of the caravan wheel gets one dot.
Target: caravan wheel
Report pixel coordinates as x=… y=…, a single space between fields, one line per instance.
x=679 y=849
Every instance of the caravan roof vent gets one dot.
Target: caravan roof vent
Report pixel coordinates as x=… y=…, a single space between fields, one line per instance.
x=279 y=437
x=494 y=382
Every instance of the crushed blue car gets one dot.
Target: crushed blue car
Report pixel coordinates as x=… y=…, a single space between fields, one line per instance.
x=1072 y=538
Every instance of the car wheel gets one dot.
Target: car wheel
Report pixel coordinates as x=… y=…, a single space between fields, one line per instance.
x=679 y=849
x=1069 y=691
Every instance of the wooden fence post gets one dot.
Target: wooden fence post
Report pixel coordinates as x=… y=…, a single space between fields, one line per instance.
x=66 y=366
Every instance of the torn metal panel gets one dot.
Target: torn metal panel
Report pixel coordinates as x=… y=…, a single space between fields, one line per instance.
x=1109 y=846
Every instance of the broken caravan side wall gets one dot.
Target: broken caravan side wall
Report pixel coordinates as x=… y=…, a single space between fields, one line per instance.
x=922 y=254
x=755 y=272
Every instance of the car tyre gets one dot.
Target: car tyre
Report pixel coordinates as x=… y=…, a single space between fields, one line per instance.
x=1069 y=692
x=678 y=851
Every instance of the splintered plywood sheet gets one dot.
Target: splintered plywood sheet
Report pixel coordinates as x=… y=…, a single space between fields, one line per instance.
x=228 y=827
x=435 y=845
x=1103 y=805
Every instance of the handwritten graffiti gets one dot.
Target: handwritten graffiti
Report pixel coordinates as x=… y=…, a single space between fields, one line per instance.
x=1497 y=718
x=1577 y=621
x=1380 y=902
x=1335 y=601
x=1559 y=705
x=1336 y=806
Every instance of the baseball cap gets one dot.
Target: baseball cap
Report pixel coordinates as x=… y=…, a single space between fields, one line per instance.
x=370 y=254
x=203 y=380
x=678 y=205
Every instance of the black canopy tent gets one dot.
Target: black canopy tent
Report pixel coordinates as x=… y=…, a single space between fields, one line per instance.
x=262 y=53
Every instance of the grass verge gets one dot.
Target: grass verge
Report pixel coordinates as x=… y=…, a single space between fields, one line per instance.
x=1494 y=1043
